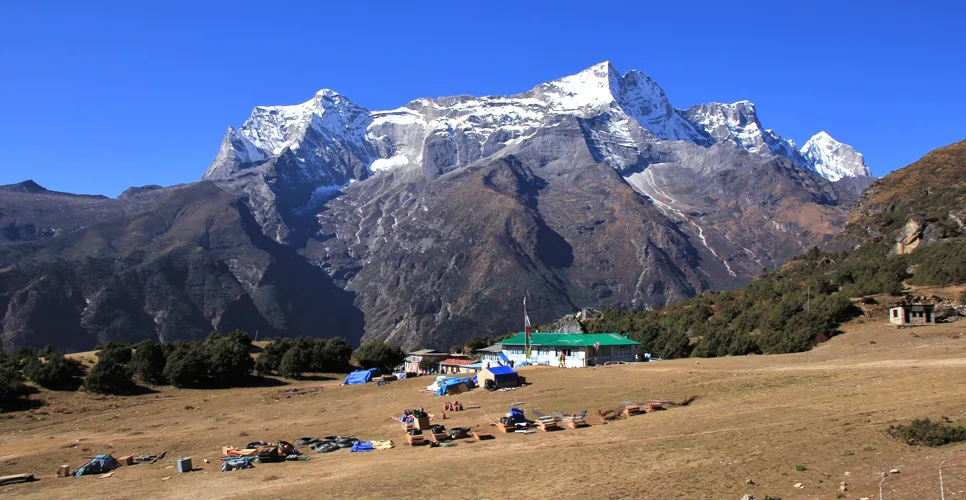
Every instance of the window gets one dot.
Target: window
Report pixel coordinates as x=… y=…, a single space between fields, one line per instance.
x=895 y=313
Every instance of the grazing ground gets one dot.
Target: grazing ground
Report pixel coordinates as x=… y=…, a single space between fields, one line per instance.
x=757 y=418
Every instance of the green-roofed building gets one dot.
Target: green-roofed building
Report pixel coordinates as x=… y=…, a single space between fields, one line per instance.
x=574 y=350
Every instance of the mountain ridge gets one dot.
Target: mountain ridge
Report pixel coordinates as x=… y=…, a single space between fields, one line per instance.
x=425 y=224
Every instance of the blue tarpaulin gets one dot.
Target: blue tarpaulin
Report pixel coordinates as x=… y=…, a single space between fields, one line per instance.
x=98 y=465
x=503 y=358
x=362 y=446
x=502 y=370
x=444 y=384
x=361 y=376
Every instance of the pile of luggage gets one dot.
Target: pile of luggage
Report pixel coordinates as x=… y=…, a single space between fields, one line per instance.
x=262 y=451
x=327 y=444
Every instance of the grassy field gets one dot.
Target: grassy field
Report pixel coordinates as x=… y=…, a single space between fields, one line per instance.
x=816 y=418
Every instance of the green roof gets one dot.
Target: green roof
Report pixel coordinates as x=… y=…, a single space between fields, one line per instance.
x=569 y=339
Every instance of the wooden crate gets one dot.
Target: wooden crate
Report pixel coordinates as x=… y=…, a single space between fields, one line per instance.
x=439 y=437
x=481 y=436
x=422 y=423
x=416 y=440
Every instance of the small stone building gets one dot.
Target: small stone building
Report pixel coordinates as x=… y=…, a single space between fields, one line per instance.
x=913 y=314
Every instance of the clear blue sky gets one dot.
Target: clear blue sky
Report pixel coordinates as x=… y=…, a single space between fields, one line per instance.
x=99 y=96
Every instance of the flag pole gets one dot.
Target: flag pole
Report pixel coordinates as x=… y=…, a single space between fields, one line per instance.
x=526 y=325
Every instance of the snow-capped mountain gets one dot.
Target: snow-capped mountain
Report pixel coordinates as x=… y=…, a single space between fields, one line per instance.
x=331 y=137
x=590 y=190
x=834 y=160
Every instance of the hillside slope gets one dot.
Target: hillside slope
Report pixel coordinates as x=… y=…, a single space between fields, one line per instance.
x=908 y=229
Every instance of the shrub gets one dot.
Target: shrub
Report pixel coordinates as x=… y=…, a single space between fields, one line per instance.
x=216 y=362
x=296 y=361
x=119 y=353
x=801 y=468
x=962 y=297
x=12 y=389
x=293 y=357
x=429 y=364
x=54 y=372
x=379 y=355
x=229 y=359
x=147 y=362
x=929 y=433
x=185 y=366
x=478 y=342
x=108 y=376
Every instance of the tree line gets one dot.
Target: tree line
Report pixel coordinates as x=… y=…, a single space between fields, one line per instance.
x=215 y=362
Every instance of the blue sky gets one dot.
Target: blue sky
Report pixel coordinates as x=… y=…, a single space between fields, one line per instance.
x=100 y=96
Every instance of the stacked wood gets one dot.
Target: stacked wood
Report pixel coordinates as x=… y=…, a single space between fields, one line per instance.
x=416 y=440
x=611 y=414
x=547 y=424
x=595 y=420
x=575 y=422
x=631 y=410
x=439 y=437
x=648 y=408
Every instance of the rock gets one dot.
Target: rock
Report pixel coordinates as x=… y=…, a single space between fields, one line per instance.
x=847 y=473
x=894 y=471
x=747 y=497
x=749 y=481
x=799 y=486
x=908 y=238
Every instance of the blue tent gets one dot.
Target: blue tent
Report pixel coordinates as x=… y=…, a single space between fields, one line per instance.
x=361 y=376
x=502 y=376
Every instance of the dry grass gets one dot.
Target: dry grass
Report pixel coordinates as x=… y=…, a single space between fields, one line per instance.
x=756 y=418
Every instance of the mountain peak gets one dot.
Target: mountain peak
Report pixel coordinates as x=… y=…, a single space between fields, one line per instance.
x=834 y=160
x=27 y=186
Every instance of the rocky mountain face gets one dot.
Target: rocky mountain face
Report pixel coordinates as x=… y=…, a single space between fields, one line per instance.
x=164 y=264
x=425 y=225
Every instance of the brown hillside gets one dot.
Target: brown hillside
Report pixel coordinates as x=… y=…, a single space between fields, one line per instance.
x=756 y=418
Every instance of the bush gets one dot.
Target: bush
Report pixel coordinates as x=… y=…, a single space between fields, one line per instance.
x=429 y=364
x=379 y=355
x=229 y=359
x=296 y=361
x=119 y=353
x=109 y=376
x=147 y=362
x=929 y=433
x=216 y=362
x=185 y=366
x=478 y=342
x=13 y=391
x=962 y=297
x=293 y=357
x=54 y=372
